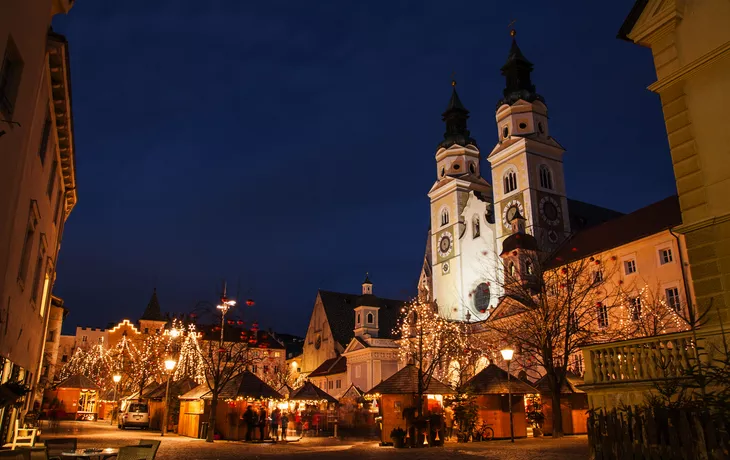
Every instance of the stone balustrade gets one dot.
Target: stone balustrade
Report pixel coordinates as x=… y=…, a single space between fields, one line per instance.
x=645 y=359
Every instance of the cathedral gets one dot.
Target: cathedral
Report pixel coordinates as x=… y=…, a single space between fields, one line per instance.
x=471 y=218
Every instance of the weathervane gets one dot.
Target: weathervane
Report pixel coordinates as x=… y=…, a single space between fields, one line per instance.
x=453 y=78
x=512 y=32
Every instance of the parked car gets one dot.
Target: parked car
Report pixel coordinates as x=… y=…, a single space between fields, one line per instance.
x=136 y=414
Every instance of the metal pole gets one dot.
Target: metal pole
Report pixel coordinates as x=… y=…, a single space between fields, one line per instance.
x=509 y=390
x=167 y=403
x=111 y=418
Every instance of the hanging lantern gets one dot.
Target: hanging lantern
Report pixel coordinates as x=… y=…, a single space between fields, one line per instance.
x=564 y=271
x=240 y=323
x=592 y=259
x=613 y=258
x=250 y=302
x=514 y=253
x=597 y=262
x=231 y=322
x=255 y=326
x=574 y=249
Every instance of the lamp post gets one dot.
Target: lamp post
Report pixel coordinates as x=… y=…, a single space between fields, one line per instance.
x=116 y=378
x=169 y=365
x=507 y=355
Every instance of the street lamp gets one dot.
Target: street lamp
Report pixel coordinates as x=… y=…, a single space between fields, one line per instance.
x=169 y=365
x=507 y=355
x=116 y=378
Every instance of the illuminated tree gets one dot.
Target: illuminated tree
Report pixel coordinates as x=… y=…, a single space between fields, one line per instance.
x=430 y=342
x=92 y=362
x=650 y=312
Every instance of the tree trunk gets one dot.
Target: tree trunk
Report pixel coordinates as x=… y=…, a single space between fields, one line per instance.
x=557 y=415
x=211 y=418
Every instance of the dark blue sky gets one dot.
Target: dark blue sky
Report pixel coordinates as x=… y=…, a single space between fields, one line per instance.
x=290 y=145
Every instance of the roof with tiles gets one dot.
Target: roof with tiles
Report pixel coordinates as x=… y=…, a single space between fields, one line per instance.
x=405 y=381
x=494 y=380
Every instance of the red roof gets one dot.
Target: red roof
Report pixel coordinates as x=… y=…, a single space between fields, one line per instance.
x=336 y=365
x=641 y=223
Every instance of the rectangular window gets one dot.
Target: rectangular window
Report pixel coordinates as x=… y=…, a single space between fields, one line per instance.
x=49 y=337
x=602 y=315
x=10 y=74
x=266 y=369
x=277 y=354
x=597 y=276
x=33 y=218
x=630 y=266
x=254 y=368
x=52 y=179
x=84 y=338
x=665 y=256
x=338 y=384
x=44 y=139
x=330 y=385
x=635 y=308
x=673 y=298
x=39 y=271
x=64 y=358
x=57 y=209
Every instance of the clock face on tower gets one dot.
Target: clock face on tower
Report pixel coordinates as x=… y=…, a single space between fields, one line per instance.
x=550 y=210
x=509 y=211
x=446 y=244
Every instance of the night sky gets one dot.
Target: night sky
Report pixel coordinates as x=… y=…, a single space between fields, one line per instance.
x=289 y=146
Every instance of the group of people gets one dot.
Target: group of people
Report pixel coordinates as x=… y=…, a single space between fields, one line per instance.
x=259 y=419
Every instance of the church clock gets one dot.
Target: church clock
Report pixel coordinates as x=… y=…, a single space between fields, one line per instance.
x=509 y=211
x=550 y=211
x=446 y=244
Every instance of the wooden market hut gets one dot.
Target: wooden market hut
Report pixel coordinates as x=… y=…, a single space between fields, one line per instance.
x=313 y=408
x=156 y=402
x=78 y=396
x=245 y=389
x=400 y=392
x=573 y=405
x=193 y=411
x=491 y=388
x=354 y=414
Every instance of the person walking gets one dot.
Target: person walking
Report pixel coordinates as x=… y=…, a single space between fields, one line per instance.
x=284 y=425
x=449 y=422
x=262 y=421
x=248 y=420
x=275 y=420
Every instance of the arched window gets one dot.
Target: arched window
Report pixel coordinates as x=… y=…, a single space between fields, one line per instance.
x=481 y=297
x=444 y=216
x=475 y=226
x=528 y=268
x=546 y=177
x=512 y=270
x=358 y=318
x=370 y=318
x=510 y=181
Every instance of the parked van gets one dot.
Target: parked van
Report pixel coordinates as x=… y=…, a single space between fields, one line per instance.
x=136 y=414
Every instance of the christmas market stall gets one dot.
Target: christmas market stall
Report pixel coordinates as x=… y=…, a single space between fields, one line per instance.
x=491 y=390
x=313 y=409
x=397 y=398
x=573 y=405
x=242 y=391
x=355 y=414
x=76 y=398
x=156 y=401
x=193 y=411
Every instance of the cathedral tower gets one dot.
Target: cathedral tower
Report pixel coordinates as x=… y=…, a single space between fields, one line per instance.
x=527 y=163
x=463 y=255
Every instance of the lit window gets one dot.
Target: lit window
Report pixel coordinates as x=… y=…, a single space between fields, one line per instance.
x=602 y=315
x=510 y=182
x=277 y=354
x=546 y=177
x=665 y=256
x=475 y=230
x=635 y=308
x=512 y=269
x=370 y=318
x=528 y=268
x=630 y=266
x=444 y=217
x=673 y=298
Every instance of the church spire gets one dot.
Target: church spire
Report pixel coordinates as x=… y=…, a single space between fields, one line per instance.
x=455 y=117
x=517 y=72
x=152 y=312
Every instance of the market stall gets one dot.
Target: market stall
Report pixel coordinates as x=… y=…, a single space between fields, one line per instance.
x=573 y=405
x=313 y=410
x=76 y=398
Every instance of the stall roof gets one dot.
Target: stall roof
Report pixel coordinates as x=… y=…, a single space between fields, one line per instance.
x=310 y=392
x=196 y=392
x=405 y=381
x=79 y=381
x=352 y=393
x=246 y=385
x=570 y=385
x=493 y=380
x=181 y=386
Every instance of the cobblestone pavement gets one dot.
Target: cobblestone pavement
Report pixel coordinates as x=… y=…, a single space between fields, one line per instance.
x=99 y=434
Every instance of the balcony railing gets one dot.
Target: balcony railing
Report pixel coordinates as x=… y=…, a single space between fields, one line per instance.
x=645 y=359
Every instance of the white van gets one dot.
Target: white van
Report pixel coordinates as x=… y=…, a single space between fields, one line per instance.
x=136 y=414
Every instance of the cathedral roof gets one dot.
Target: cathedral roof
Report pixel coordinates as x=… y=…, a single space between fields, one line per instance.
x=517 y=72
x=152 y=312
x=340 y=310
x=455 y=117
x=639 y=224
x=519 y=241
